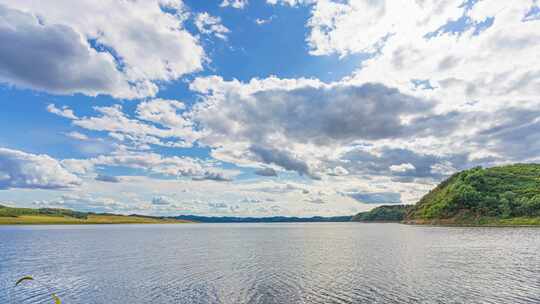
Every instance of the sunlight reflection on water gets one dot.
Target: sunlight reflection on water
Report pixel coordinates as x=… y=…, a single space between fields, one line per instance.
x=271 y=263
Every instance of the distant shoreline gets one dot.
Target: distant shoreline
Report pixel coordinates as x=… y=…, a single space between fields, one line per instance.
x=271 y=219
x=65 y=221
x=515 y=222
x=54 y=216
x=437 y=223
x=90 y=220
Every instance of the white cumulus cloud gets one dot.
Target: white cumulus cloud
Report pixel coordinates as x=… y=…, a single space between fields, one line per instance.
x=240 y=4
x=211 y=25
x=119 y=48
x=33 y=171
x=402 y=167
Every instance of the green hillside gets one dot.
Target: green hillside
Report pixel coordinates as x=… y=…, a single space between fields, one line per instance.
x=388 y=213
x=45 y=216
x=507 y=195
x=14 y=212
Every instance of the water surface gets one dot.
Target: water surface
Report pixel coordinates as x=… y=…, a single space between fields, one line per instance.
x=271 y=263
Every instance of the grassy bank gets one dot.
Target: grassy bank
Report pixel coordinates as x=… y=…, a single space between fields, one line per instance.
x=91 y=219
x=482 y=221
x=48 y=216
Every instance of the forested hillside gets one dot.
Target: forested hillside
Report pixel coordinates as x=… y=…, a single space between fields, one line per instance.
x=507 y=194
x=387 y=213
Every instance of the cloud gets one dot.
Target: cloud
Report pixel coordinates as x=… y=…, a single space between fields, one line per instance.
x=333 y=24
x=162 y=201
x=281 y=158
x=443 y=168
x=240 y=4
x=162 y=111
x=174 y=131
x=337 y=171
x=319 y=115
x=376 y=197
x=401 y=168
x=23 y=170
x=467 y=53
x=212 y=176
x=398 y=162
x=282 y=189
x=290 y=2
x=135 y=193
x=512 y=134
x=463 y=54
x=297 y=125
x=218 y=206
x=266 y=172
x=65 y=111
x=260 y=21
x=52 y=58
x=107 y=178
x=86 y=203
x=152 y=164
x=176 y=166
x=77 y=135
x=441 y=106
x=124 y=53
x=210 y=25
x=318 y=201
x=271 y=121
x=422 y=105
x=251 y=201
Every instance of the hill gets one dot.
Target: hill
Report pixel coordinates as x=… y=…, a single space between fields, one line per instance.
x=273 y=219
x=387 y=213
x=506 y=195
x=43 y=216
x=29 y=216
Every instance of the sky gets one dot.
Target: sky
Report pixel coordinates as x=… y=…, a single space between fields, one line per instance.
x=260 y=108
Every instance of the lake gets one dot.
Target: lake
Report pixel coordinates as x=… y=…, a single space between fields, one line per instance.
x=270 y=263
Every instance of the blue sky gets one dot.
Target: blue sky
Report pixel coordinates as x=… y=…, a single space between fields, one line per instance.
x=259 y=108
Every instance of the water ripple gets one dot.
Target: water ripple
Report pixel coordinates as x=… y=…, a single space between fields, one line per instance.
x=327 y=263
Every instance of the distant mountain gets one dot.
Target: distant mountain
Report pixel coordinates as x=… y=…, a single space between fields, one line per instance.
x=506 y=195
x=387 y=213
x=274 y=219
x=9 y=215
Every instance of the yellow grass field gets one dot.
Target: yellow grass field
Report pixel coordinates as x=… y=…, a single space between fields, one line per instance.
x=92 y=219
